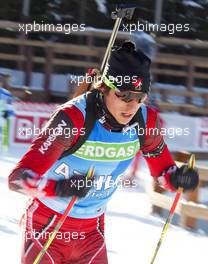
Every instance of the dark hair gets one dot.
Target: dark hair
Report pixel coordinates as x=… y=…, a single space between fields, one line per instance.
x=82 y=88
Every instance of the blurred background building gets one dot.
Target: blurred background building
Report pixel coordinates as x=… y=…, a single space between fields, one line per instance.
x=44 y=63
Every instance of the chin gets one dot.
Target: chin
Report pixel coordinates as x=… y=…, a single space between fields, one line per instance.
x=123 y=122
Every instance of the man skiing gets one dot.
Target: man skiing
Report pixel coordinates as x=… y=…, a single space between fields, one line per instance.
x=6 y=111
x=53 y=171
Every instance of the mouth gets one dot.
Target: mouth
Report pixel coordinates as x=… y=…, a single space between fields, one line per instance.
x=126 y=115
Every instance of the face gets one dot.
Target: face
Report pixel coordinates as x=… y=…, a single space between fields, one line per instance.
x=122 y=111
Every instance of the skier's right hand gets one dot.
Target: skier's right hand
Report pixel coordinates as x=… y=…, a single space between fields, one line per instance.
x=78 y=185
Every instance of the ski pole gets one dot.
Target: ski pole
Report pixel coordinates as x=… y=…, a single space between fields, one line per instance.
x=123 y=10
x=37 y=260
x=191 y=165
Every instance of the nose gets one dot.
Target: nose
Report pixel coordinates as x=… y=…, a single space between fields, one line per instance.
x=132 y=104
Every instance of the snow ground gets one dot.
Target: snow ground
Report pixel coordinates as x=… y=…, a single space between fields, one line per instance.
x=131 y=231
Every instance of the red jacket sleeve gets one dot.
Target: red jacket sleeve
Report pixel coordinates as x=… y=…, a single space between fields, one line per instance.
x=155 y=151
x=61 y=131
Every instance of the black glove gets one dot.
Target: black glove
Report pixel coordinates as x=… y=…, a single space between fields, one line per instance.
x=185 y=177
x=77 y=185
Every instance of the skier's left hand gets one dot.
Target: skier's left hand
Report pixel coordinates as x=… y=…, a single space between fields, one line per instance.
x=185 y=177
x=78 y=185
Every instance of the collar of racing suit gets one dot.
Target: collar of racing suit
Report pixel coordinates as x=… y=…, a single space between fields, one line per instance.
x=105 y=117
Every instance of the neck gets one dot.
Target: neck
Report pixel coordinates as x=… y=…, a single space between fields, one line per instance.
x=106 y=118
